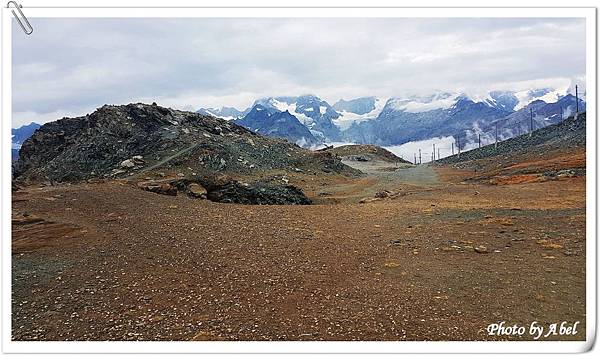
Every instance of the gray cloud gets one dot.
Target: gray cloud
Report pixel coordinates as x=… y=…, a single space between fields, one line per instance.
x=71 y=66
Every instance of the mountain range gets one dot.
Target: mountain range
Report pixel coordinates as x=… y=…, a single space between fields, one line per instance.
x=310 y=121
x=372 y=120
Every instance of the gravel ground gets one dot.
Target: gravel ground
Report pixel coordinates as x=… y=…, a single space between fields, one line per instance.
x=108 y=261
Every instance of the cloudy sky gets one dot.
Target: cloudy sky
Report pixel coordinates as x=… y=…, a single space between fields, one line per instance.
x=69 y=67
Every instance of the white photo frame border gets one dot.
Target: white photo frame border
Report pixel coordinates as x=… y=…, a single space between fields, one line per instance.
x=11 y=346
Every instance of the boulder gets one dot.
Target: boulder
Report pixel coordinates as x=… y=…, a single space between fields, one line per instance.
x=128 y=163
x=383 y=194
x=159 y=188
x=258 y=194
x=195 y=190
x=481 y=249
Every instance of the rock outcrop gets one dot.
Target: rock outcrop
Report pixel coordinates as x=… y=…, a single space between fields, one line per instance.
x=167 y=151
x=131 y=140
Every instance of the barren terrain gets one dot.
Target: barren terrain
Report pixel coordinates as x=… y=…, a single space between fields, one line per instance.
x=427 y=254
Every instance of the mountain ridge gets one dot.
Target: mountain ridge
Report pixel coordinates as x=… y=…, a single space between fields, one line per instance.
x=372 y=120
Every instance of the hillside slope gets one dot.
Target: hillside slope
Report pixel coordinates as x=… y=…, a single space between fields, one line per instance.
x=552 y=152
x=124 y=141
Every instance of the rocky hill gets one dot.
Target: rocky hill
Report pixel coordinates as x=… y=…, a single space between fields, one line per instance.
x=365 y=153
x=140 y=141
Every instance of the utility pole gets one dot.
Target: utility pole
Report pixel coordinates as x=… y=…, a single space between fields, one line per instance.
x=453 y=148
x=479 y=138
x=496 y=143
x=458 y=145
x=420 y=156
x=434 y=152
x=576 y=101
x=415 y=158
x=530 y=121
x=439 y=153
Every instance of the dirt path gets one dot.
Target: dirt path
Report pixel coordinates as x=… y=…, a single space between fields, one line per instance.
x=419 y=175
x=164 y=160
x=423 y=174
x=382 y=176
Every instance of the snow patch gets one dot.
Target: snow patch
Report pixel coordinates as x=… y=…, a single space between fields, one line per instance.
x=419 y=104
x=214 y=113
x=527 y=96
x=291 y=108
x=346 y=118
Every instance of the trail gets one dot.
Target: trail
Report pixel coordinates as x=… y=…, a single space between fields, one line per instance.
x=422 y=174
x=381 y=175
x=165 y=160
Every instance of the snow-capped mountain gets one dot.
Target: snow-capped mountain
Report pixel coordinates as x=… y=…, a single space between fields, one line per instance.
x=504 y=100
x=227 y=113
x=537 y=113
x=357 y=110
x=272 y=122
x=548 y=95
x=414 y=118
x=359 y=106
x=310 y=110
x=309 y=120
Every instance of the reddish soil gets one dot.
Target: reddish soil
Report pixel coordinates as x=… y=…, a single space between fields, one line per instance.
x=436 y=261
